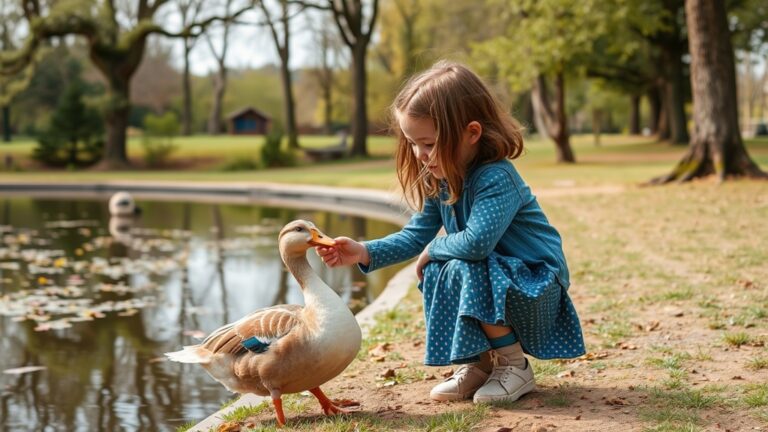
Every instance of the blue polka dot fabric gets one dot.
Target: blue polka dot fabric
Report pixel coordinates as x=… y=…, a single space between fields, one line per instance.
x=500 y=262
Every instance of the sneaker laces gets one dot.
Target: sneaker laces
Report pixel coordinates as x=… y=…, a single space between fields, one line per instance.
x=461 y=373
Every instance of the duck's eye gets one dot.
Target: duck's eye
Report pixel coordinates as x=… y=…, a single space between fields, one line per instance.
x=299 y=229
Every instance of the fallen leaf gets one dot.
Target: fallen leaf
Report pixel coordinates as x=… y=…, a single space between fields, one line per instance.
x=389 y=373
x=346 y=403
x=380 y=349
x=567 y=374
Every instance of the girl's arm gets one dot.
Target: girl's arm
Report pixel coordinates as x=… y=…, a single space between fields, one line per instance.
x=496 y=201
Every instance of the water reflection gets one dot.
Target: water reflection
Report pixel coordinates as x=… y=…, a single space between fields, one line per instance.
x=97 y=300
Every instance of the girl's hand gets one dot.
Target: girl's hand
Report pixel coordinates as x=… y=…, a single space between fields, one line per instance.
x=421 y=262
x=345 y=252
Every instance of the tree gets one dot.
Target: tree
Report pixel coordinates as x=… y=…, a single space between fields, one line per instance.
x=279 y=28
x=716 y=146
x=75 y=136
x=355 y=21
x=543 y=42
x=189 y=10
x=327 y=48
x=219 y=77
x=115 y=50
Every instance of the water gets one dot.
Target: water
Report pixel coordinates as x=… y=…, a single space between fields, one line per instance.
x=96 y=302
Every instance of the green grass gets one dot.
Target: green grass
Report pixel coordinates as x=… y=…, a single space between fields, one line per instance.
x=737 y=339
x=622 y=160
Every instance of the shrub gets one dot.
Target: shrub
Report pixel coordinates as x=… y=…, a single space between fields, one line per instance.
x=242 y=163
x=159 y=132
x=75 y=135
x=271 y=154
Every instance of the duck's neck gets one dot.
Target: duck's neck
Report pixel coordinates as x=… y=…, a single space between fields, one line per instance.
x=316 y=292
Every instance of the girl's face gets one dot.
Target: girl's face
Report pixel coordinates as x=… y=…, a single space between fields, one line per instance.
x=421 y=136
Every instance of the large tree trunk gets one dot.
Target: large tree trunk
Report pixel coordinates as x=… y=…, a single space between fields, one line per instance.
x=552 y=118
x=360 y=118
x=716 y=146
x=674 y=93
x=6 y=123
x=634 y=115
x=116 y=115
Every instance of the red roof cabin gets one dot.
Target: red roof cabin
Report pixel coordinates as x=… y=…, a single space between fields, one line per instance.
x=248 y=121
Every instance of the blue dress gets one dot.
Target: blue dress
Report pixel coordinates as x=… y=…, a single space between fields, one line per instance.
x=501 y=262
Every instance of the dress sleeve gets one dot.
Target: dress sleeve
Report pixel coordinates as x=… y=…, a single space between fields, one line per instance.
x=496 y=201
x=408 y=242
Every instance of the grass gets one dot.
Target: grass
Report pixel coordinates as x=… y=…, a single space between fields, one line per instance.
x=622 y=160
x=695 y=248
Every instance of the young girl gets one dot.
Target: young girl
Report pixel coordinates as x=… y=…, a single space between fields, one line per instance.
x=495 y=286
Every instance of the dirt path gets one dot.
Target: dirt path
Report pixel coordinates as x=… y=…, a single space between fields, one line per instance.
x=671 y=294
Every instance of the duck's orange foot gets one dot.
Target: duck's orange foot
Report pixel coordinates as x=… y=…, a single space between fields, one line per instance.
x=328 y=406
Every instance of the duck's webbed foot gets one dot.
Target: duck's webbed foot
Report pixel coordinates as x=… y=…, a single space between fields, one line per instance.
x=328 y=406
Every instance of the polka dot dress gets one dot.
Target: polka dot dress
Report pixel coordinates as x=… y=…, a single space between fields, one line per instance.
x=501 y=262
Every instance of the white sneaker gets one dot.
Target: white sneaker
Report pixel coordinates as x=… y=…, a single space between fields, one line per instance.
x=506 y=384
x=461 y=385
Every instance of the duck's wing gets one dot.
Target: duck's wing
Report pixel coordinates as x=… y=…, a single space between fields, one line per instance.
x=254 y=332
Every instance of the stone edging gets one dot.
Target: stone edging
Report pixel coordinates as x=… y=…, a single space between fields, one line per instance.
x=360 y=202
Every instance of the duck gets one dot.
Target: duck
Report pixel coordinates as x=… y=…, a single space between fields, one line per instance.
x=285 y=349
x=122 y=204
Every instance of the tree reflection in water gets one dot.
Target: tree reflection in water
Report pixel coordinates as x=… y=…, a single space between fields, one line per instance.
x=109 y=374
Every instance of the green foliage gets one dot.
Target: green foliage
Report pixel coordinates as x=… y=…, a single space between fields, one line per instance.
x=159 y=132
x=272 y=155
x=241 y=163
x=75 y=135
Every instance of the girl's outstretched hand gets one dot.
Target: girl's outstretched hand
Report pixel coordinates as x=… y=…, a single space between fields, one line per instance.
x=345 y=252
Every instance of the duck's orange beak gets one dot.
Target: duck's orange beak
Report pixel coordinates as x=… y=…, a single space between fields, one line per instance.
x=318 y=239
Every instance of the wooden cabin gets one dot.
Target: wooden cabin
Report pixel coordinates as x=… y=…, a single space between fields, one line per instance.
x=248 y=121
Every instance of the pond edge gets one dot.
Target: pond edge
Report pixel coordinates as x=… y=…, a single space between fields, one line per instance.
x=371 y=203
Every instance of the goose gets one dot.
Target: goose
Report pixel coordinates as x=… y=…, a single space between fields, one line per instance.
x=285 y=348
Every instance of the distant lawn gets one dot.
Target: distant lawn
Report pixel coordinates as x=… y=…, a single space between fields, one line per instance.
x=621 y=159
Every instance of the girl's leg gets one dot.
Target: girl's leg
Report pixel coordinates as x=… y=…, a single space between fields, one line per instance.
x=512 y=375
x=508 y=351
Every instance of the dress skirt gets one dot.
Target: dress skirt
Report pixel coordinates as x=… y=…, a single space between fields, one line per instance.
x=501 y=290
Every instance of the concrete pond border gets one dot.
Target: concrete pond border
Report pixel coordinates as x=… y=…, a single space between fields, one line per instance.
x=375 y=204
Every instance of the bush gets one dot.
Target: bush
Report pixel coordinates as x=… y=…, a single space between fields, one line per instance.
x=159 y=132
x=75 y=136
x=271 y=154
x=243 y=163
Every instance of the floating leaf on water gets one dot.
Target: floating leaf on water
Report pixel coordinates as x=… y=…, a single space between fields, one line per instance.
x=128 y=312
x=23 y=370
x=14 y=266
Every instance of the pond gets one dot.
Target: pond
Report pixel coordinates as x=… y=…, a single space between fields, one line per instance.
x=89 y=304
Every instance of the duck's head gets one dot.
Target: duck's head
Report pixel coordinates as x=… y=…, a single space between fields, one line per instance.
x=298 y=236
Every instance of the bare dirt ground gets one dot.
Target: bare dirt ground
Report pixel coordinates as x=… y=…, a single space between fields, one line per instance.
x=671 y=292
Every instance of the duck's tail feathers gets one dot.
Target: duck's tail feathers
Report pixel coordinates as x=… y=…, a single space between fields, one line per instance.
x=190 y=354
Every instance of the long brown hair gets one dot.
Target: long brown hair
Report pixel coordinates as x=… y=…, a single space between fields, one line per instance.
x=452 y=96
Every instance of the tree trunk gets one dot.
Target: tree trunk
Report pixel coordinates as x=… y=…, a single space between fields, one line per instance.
x=116 y=115
x=6 y=123
x=290 y=104
x=186 y=109
x=654 y=101
x=219 y=87
x=674 y=93
x=596 y=125
x=634 y=115
x=716 y=146
x=328 y=109
x=360 y=118
x=553 y=119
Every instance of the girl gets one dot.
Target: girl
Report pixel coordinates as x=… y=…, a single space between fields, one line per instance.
x=495 y=286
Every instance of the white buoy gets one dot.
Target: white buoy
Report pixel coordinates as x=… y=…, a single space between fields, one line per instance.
x=122 y=204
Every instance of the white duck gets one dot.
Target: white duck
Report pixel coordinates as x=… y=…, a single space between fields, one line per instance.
x=122 y=204
x=285 y=348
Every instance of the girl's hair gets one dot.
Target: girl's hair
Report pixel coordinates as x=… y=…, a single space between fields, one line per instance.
x=452 y=96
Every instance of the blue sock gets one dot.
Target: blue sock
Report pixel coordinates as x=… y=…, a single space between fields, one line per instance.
x=502 y=341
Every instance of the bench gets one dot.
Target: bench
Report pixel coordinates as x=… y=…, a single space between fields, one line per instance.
x=328 y=153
